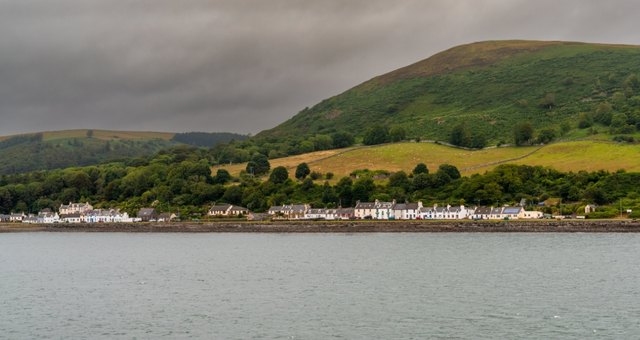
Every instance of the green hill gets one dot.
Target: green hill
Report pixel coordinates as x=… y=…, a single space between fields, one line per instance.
x=61 y=149
x=571 y=89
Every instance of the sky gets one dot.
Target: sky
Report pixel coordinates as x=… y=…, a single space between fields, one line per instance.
x=244 y=66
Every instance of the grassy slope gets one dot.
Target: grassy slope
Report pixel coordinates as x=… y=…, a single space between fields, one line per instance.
x=489 y=85
x=107 y=135
x=589 y=155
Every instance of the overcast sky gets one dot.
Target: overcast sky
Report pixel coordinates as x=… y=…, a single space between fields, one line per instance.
x=244 y=65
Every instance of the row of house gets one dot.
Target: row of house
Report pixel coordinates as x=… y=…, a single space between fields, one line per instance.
x=88 y=216
x=378 y=210
x=85 y=213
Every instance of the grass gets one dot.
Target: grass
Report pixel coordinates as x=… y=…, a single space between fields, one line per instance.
x=107 y=135
x=588 y=155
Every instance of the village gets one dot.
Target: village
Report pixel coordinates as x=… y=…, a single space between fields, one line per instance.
x=377 y=210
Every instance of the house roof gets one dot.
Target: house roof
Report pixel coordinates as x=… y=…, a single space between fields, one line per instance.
x=220 y=207
x=298 y=207
x=483 y=211
x=512 y=210
x=365 y=205
x=400 y=206
x=496 y=211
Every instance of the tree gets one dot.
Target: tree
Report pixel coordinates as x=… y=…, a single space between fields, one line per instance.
x=450 y=170
x=342 y=139
x=548 y=101
x=321 y=142
x=344 y=191
x=222 y=176
x=302 y=171
x=460 y=135
x=420 y=168
x=421 y=181
x=376 y=135
x=363 y=189
x=328 y=194
x=258 y=165
x=233 y=195
x=279 y=175
x=547 y=135
x=585 y=120
x=478 y=141
x=397 y=133
x=523 y=134
x=603 y=114
x=399 y=180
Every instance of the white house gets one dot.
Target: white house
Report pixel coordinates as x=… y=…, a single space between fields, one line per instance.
x=47 y=216
x=314 y=214
x=365 y=209
x=406 y=211
x=72 y=218
x=105 y=216
x=345 y=213
x=13 y=217
x=375 y=210
x=501 y=213
x=445 y=213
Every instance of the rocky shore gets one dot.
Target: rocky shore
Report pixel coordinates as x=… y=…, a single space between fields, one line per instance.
x=339 y=226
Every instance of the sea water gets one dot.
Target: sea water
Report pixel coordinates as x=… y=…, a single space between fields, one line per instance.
x=319 y=286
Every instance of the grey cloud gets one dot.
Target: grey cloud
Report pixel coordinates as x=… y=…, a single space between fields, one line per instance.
x=243 y=65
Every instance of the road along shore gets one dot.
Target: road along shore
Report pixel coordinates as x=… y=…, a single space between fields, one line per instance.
x=338 y=226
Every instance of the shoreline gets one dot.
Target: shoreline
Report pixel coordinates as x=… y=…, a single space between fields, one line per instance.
x=565 y=226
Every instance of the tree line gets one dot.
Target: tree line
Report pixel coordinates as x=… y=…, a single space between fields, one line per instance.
x=181 y=180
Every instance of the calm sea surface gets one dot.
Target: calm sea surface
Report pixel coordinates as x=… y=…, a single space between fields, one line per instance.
x=319 y=286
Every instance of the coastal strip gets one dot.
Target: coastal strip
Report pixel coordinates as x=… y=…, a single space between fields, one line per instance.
x=570 y=226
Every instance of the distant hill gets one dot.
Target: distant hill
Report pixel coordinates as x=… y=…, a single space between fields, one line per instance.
x=61 y=149
x=489 y=87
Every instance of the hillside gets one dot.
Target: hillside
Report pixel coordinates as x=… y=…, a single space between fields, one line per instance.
x=489 y=87
x=61 y=149
x=571 y=156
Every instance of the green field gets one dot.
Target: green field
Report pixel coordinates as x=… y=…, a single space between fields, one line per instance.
x=588 y=155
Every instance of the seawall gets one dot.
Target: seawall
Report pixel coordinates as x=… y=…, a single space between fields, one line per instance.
x=338 y=226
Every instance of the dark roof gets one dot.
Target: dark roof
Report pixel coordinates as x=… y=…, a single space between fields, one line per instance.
x=71 y=216
x=483 y=211
x=400 y=206
x=220 y=207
